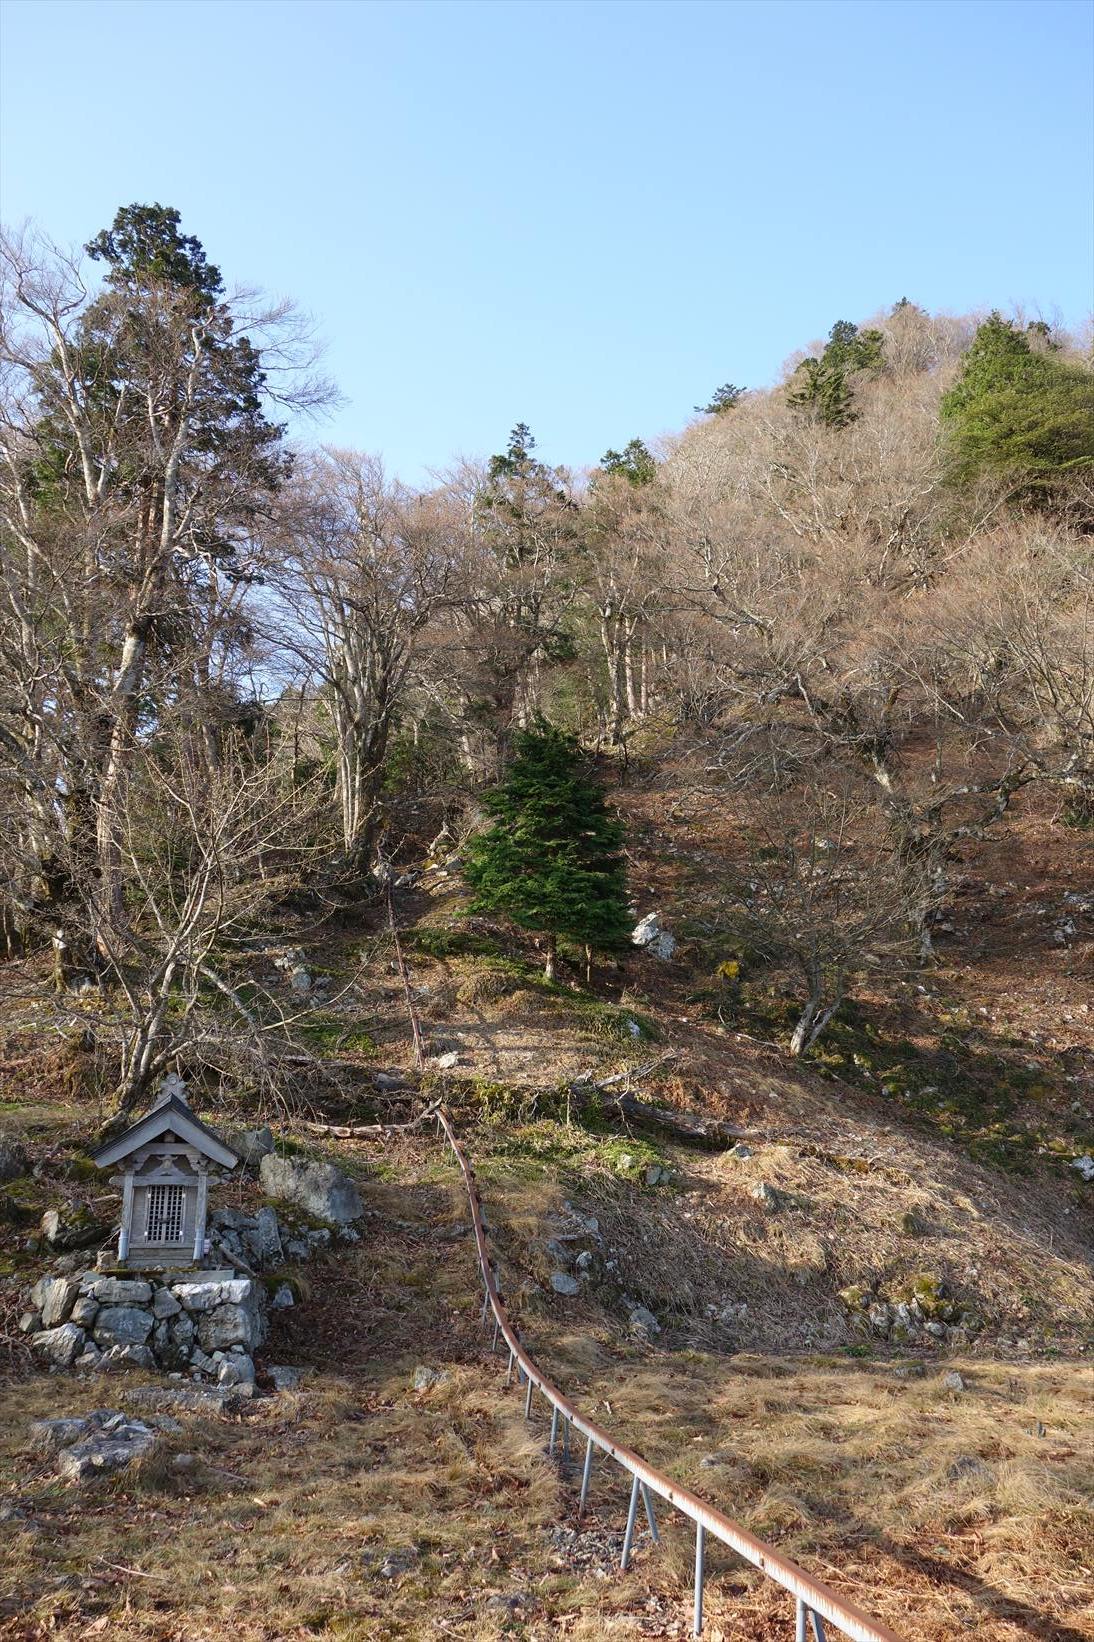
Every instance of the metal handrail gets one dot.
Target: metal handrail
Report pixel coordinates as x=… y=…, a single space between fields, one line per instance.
x=815 y=1601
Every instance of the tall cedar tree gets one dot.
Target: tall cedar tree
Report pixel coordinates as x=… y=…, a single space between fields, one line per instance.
x=553 y=860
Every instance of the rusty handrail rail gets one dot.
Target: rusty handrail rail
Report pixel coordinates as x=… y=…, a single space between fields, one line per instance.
x=815 y=1601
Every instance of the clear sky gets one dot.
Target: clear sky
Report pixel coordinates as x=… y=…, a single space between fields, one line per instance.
x=578 y=214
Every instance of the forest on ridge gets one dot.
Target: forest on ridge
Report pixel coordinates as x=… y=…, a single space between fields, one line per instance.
x=239 y=672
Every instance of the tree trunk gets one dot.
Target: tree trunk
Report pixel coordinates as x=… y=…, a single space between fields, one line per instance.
x=811 y=1023
x=551 y=953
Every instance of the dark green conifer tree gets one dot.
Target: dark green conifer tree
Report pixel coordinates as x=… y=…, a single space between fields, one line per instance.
x=553 y=859
x=723 y=399
x=633 y=463
x=823 y=386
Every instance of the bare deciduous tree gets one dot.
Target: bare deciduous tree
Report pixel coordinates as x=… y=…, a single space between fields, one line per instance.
x=823 y=903
x=369 y=564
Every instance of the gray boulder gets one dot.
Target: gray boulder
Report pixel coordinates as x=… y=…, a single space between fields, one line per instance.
x=283 y=1298
x=84 y=1311
x=425 y=1377
x=240 y=1322
x=252 y=1145
x=183 y=1329
x=287 y=1379
x=117 y=1358
x=236 y=1371
x=644 y=1323
x=71 y=1230
x=60 y=1346
x=267 y=1238
x=47 y=1436
x=105 y=1452
x=649 y=934
x=199 y=1295
x=122 y=1326
x=165 y=1304
x=318 y=1188
x=563 y=1283
x=118 y=1291
x=55 y=1296
x=13 y=1161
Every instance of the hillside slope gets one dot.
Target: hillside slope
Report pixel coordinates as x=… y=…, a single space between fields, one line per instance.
x=915 y=1170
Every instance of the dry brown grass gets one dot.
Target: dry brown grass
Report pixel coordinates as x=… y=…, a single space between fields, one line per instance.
x=940 y=1512
x=282 y=1529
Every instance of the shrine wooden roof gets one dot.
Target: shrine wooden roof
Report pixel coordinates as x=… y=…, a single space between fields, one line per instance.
x=172 y=1115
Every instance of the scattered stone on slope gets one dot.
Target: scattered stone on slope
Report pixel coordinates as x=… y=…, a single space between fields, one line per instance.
x=649 y=934
x=563 y=1283
x=13 y=1161
x=72 y=1229
x=285 y=1377
x=47 y=1436
x=643 y=1322
x=252 y=1145
x=98 y=1444
x=425 y=1377
x=60 y=1346
x=968 y=1466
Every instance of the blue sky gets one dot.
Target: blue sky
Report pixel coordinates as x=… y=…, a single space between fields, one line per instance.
x=578 y=214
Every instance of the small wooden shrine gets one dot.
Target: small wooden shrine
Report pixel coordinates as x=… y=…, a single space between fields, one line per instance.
x=165 y=1162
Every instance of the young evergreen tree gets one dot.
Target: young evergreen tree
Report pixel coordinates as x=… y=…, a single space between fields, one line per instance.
x=633 y=463
x=723 y=399
x=822 y=385
x=553 y=860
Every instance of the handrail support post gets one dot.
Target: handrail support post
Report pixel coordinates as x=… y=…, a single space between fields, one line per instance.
x=650 y=1518
x=586 y=1473
x=628 y=1537
x=700 y=1571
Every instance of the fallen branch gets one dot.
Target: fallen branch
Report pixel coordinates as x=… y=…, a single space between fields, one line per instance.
x=370 y=1131
x=631 y=1072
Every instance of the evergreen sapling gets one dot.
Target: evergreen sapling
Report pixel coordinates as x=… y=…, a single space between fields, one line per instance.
x=552 y=861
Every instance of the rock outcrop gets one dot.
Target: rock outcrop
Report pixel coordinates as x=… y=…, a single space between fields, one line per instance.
x=318 y=1188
